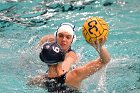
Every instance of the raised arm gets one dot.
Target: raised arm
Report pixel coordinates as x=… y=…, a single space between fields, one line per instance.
x=80 y=73
x=94 y=65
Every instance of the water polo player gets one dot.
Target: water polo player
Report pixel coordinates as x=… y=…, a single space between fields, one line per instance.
x=59 y=56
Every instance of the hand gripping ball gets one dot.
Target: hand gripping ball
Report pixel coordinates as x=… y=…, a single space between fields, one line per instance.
x=95 y=28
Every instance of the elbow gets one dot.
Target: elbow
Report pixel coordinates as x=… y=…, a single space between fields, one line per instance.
x=108 y=60
x=105 y=56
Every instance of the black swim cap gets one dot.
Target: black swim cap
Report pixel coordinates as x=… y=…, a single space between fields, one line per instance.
x=52 y=53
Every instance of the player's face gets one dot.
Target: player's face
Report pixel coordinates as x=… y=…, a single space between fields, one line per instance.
x=64 y=39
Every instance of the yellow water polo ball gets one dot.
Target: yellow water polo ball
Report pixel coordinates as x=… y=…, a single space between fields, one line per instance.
x=95 y=28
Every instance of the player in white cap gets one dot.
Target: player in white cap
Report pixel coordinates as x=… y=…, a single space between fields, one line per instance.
x=59 y=56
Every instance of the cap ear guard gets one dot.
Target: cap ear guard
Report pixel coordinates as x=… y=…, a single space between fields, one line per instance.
x=74 y=39
x=55 y=35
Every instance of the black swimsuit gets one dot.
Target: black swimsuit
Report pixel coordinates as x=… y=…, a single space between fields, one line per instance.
x=57 y=85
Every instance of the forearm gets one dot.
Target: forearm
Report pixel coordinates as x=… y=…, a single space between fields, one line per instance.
x=49 y=38
x=104 y=55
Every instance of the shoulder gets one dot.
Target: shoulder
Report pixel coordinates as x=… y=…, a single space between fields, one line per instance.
x=72 y=55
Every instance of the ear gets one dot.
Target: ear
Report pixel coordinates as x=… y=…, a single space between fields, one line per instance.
x=74 y=39
x=55 y=35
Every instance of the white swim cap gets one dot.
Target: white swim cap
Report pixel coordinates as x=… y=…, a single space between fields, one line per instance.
x=67 y=27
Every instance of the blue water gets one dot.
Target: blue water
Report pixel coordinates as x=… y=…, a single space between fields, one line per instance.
x=24 y=22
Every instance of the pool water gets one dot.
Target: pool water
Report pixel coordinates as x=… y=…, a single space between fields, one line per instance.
x=24 y=22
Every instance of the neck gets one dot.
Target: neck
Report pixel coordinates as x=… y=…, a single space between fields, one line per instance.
x=66 y=50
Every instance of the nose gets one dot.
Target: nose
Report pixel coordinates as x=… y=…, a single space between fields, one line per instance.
x=64 y=38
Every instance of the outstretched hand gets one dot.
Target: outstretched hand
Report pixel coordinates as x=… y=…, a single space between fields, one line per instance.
x=98 y=45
